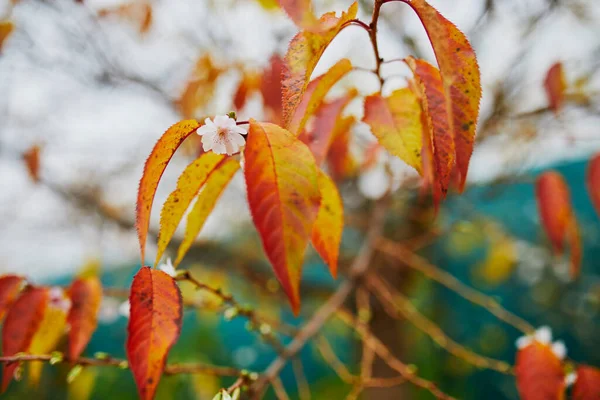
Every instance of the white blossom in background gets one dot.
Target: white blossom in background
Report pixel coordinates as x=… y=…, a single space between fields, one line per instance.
x=58 y=299
x=168 y=268
x=543 y=335
x=109 y=310
x=125 y=309
x=570 y=379
x=222 y=135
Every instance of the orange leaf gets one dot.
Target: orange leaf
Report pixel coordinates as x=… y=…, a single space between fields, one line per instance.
x=283 y=195
x=316 y=92
x=301 y=12
x=436 y=120
x=270 y=88
x=50 y=330
x=587 y=385
x=593 y=182
x=200 y=87
x=6 y=28
x=554 y=205
x=328 y=227
x=555 y=85
x=340 y=162
x=10 y=287
x=153 y=169
x=302 y=56
x=215 y=184
x=154 y=327
x=250 y=83
x=188 y=186
x=396 y=122
x=460 y=74
x=327 y=118
x=21 y=324
x=86 y=296
x=574 y=240
x=540 y=374
x=32 y=161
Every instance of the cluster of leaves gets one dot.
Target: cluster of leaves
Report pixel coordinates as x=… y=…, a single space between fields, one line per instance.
x=37 y=317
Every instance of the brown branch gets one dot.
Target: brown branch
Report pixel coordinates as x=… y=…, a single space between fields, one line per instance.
x=396 y=305
x=324 y=313
x=412 y=260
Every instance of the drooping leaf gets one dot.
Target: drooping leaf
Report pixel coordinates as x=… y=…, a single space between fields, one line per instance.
x=554 y=205
x=249 y=84
x=316 y=92
x=301 y=12
x=540 y=374
x=327 y=118
x=283 y=195
x=153 y=169
x=460 y=74
x=396 y=122
x=32 y=162
x=154 y=327
x=10 y=287
x=593 y=181
x=86 y=296
x=587 y=384
x=555 y=85
x=327 y=230
x=200 y=87
x=302 y=56
x=436 y=121
x=21 y=324
x=50 y=330
x=271 y=89
x=188 y=186
x=216 y=182
x=6 y=28
x=340 y=161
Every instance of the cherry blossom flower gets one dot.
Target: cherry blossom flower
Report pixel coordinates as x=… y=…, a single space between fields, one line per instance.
x=168 y=268
x=222 y=135
x=58 y=299
x=570 y=379
x=543 y=335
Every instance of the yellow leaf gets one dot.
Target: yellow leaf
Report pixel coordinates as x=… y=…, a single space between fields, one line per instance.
x=215 y=183
x=188 y=186
x=396 y=122
x=328 y=227
x=6 y=28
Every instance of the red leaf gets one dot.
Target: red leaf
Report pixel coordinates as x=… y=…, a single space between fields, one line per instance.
x=593 y=181
x=270 y=88
x=22 y=322
x=10 y=286
x=319 y=139
x=154 y=326
x=340 y=161
x=153 y=169
x=555 y=86
x=32 y=161
x=587 y=385
x=283 y=195
x=85 y=295
x=461 y=77
x=540 y=374
x=301 y=12
x=436 y=121
x=250 y=83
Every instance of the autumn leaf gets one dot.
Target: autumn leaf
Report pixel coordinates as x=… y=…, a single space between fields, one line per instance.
x=302 y=56
x=10 y=287
x=138 y=13
x=86 y=296
x=284 y=197
x=50 y=330
x=211 y=191
x=593 y=181
x=6 y=28
x=154 y=326
x=462 y=82
x=153 y=169
x=21 y=324
x=555 y=85
x=200 y=87
x=436 y=121
x=500 y=260
x=340 y=161
x=327 y=118
x=32 y=162
x=316 y=92
x=540 y=374
x=249 y=84
x=270 y=88
x=301 y=12
x=188 y=186
x=587 y=384
x=327 y=230
x=396 y=123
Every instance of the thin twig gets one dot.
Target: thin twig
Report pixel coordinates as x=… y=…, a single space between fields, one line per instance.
x=301 y=381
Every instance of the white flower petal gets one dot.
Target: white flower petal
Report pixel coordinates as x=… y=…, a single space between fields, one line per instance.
x=544 y=335
x=208 y=122
x=206 y=130
x=218 y=147
x=570 y=379
x=523 y=342
x=240 y=130
x=222 y=121
x=238 y=139
x=559 y=349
